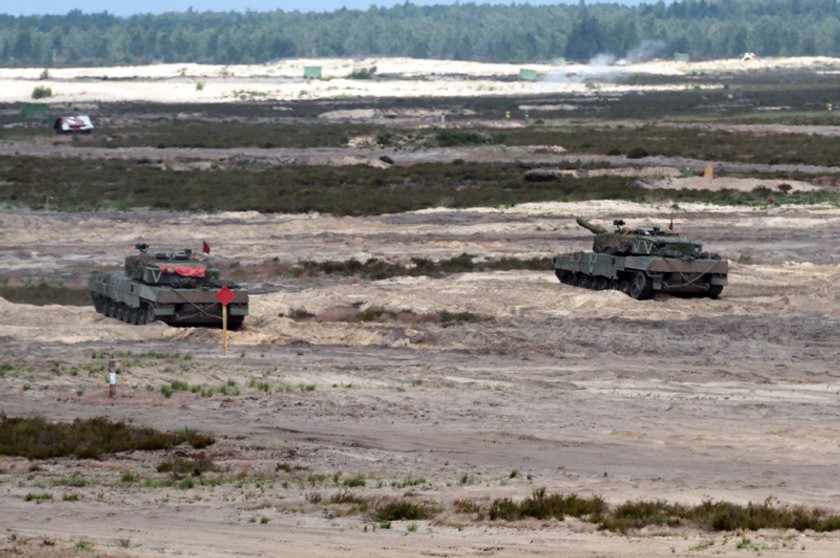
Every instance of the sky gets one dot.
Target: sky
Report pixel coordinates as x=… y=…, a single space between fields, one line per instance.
x=17 y=7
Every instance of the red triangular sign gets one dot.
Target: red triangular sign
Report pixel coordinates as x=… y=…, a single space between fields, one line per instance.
x=205 y=247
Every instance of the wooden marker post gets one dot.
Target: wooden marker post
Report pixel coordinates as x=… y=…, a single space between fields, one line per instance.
x=225 y=296
x=224 y=327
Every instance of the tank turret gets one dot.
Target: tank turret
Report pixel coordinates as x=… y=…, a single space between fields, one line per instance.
x=175 y=287
x=176 y=269
x=641 y=242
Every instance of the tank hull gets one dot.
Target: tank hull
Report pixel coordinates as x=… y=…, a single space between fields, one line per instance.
x=643 y=276
x=131 y=301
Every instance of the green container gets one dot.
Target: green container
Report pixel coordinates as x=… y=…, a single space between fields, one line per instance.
x=34 y=111
x=527 y=74
x=312 y=72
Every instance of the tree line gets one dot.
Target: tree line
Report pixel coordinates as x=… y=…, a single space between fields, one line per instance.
x=500 y=33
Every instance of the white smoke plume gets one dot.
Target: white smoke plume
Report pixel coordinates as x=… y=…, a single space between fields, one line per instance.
x=645 y=51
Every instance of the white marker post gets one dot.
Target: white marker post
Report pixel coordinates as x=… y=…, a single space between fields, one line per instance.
x=112 y=379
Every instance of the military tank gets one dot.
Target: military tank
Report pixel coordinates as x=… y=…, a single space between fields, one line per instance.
x=177 y=288
x=641 y=262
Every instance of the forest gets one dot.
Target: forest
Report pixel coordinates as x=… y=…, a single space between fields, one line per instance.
x=518 y=33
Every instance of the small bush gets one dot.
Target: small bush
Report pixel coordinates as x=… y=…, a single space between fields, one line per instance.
x=637 y=153
x=396 y=510
x=354 y=482
x=363 y=73
x=41 y=92
x=38 y=497
x=193 y=466
x=178 y=385
x=543 y=506
x=73 y=479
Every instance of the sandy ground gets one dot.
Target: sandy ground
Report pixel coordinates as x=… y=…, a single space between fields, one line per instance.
x=578 y=391
x=405 y=77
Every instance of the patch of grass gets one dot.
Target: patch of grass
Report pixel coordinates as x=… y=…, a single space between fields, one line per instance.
x=316 y=478
x=354 y=482
x=178 y=385
x=166 y=391
x=184 y=465
x=708 y=516
x=38 y=497
x=70 y=497
x=73 y=479
x=543 y=506
x=127 y=478
x=230 y=389
x=37 y=438
x=402 y=509
x=408 y=482
x=159 y=483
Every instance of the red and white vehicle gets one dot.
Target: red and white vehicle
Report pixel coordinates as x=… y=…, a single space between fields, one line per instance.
x=79 y=124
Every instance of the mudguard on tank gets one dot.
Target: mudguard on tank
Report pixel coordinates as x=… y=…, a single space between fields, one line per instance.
x=177 y=288
x=641 y=262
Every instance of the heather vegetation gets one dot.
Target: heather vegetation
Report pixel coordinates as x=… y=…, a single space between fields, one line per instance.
x=37 y=438
x=348 y=190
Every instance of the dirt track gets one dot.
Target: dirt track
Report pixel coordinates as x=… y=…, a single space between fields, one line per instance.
x=588 y=392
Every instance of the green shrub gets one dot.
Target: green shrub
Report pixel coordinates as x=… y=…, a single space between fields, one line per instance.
x=41 y=92
x=396 y=510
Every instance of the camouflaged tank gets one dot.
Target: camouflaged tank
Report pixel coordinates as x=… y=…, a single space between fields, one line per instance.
x=641 y=262
x=177 y=288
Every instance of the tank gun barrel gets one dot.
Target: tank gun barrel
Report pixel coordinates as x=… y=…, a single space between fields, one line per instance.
x=595 y=229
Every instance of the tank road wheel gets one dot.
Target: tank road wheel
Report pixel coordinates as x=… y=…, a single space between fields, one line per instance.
x=624 y=286
x=133 y=316
x=642 y=287
x=150 y=313
x=601 y=283
x=714 y=291
x=613 y=285
x=141 y=314
x=110 y=307
x=120 y=312
x=590 y=282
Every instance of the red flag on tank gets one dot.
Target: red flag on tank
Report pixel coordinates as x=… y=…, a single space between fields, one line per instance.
x=671 y=225
x=205 y=247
